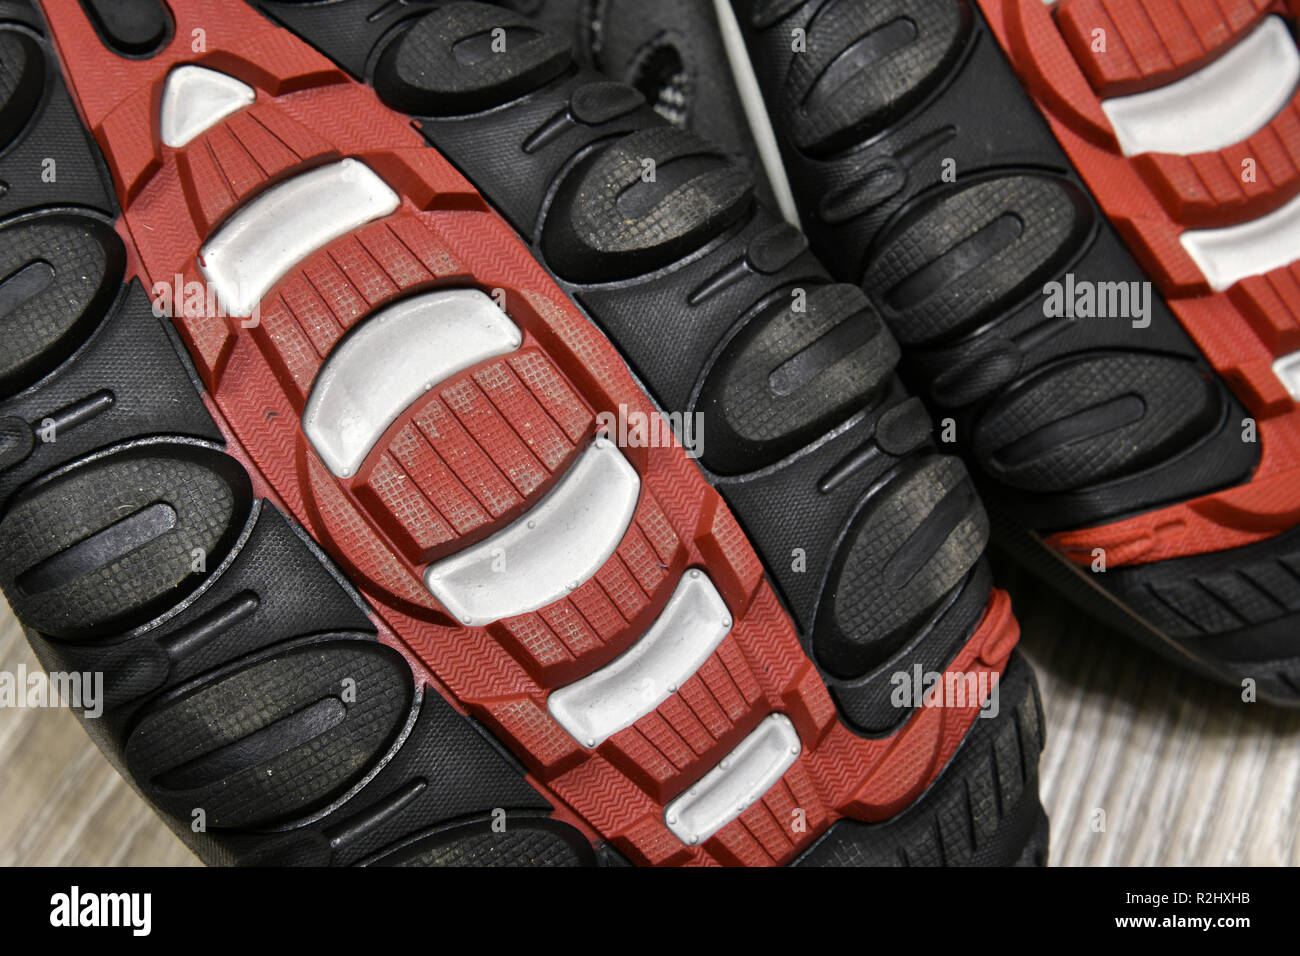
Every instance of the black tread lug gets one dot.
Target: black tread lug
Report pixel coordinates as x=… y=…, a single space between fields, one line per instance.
x=112 y=542
x=794 y=371
x=269 y=738
x=608 y=223
x=130 y=28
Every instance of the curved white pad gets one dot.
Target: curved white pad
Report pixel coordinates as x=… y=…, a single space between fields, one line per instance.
x=1287 y=369
x=393 y=358
x=1224 y=102
x=284 y=225
x=557 y=545
x=742 y=777
x=194 y=99
x=1226 y=256
x=692 y=625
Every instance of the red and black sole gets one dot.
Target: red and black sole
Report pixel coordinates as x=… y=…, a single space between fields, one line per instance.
x=953 y=159
x=280 y=682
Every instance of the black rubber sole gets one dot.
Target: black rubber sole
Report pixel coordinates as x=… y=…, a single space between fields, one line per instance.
x=924 y=173
x=136 y=546
x=992 y=819
x=1273 y=680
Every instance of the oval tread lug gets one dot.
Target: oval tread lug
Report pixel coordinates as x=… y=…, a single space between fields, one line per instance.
x=115 y=541
x=272 y=738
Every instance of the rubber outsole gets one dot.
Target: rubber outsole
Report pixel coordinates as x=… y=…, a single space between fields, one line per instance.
x=282 y=683
x=1128 y=416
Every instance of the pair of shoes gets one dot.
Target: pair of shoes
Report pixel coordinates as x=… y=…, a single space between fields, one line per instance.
x=447 y=461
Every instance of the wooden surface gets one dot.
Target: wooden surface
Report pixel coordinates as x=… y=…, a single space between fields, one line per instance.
x=1184 y=771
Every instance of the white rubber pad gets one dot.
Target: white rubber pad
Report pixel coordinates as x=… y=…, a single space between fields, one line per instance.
x=195 y=99
x=692 y=625
x=393 y=358
x=287 y=223
x=1226 y=256
x=1287 y=369
x=549 y=551
x=1224 y=102
x=742 y=777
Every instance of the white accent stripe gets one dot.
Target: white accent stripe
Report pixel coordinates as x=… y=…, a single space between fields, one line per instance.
x=393 y=358
x=742 y=777
x=195 y=99
x=287 y=223
x=692 y=625
x=751 y=98
x=1287 y=369
x=1224 y=102
x=549 y=551
x=1226 y=256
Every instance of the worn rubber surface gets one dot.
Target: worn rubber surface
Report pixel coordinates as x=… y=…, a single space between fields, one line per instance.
x=670 y=51
x=970 y=199
x=281 y=681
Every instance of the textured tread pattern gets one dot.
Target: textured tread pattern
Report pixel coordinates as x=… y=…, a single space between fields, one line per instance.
x=476 y=844
x=21 y=78
x=612 y=224
x=960 y=256
x=415 y=73
x=983 y=814
x=352 y=778
x=112 y=542
x=272 y=738
x=910 y=546
x=1045 y=316
x=243 y=682
x=58 y=273
x=791 y=374
x=687 y=257
x=865 y=64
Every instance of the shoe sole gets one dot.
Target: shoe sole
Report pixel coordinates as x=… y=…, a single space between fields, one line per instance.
x=1157 y=445
x=247 y=542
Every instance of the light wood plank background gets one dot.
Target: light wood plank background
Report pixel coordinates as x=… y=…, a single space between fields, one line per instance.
x=1184 y=771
